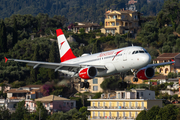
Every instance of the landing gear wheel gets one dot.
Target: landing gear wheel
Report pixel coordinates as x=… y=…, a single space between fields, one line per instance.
x=82 y=84
x=86 y=85
x=135 y=79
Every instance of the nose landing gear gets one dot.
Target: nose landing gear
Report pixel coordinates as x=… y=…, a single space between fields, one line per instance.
x=135 y=79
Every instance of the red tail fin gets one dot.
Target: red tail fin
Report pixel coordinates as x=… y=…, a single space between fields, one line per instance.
x=64 y=48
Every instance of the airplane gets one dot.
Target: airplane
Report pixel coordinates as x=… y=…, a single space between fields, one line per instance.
x=101 y=64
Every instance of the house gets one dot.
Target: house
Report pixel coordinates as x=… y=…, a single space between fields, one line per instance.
x=17 y=95
x=122 y=104
x=87 y=26
x=161 y=79
x=121 y=22
x=130 y=2
x=52 y=103
x=167 y=57
x=169 y=92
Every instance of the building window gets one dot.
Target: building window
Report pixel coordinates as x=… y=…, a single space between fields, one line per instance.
x=160 y=70
x=72 y=104
x=112 y=24
x=142 y=94
x=95 y=81
x=114 y=17
x=64 y=103
x=95 y=88
x=122 y=16
x=166 y=70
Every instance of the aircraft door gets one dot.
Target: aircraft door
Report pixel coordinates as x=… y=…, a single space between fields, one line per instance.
x=125 y=55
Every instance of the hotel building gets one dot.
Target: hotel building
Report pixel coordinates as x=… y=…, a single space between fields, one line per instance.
x=122 y=104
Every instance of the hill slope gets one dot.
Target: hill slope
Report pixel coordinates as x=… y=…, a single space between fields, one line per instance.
x=74 y=10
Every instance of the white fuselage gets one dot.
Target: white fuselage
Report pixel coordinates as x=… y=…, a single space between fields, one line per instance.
x=116 y=61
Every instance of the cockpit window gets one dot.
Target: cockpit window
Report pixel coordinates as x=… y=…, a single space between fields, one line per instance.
x=141 y=51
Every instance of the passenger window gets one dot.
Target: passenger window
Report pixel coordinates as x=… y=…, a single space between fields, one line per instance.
x=136 y=52
x=133 y=52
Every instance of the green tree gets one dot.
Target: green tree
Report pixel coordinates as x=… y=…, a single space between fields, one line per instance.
x=41 y=111
x=171 y=7
x=151 y=114
x=20 y=111
x=52 y=58
x=3 y=38
x=15 y=34
x=96 y=47
x=169 y=112
x=141 y=115
x=82 y=30
x=4 y=113
x=34 y=72
x=175 y=97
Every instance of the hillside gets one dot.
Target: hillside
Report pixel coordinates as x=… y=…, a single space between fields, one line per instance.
x=74 y=10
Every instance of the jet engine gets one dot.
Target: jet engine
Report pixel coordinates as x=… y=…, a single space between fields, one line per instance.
x=88 y=72
x=145 y=73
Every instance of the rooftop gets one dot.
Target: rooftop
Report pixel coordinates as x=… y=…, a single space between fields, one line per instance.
x=30 y=86
x=51 y=98
x=17 y=91
x=111 y=12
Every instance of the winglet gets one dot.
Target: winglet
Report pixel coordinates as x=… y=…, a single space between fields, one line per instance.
x=5 y=59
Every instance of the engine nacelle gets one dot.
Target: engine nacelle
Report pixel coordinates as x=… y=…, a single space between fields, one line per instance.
x=145 y=73
x=88 y=72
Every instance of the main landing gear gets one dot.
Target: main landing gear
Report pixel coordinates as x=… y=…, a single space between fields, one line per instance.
x=84 y=84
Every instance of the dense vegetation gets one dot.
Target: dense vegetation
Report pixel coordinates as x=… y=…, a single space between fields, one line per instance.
x=162 y=33
x=169 y=112
x=74 y=10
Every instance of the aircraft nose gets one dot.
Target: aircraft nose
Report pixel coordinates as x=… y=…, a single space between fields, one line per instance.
x=146 y=58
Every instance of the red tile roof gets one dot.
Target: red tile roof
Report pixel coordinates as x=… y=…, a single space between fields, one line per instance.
x=168 y=55
x=17 y=91
x=30 y=86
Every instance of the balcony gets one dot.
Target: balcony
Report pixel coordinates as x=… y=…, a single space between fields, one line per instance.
x=115 y=108
x=110 y=118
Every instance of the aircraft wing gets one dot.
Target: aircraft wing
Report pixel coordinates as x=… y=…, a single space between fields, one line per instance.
x=55 y=66
x=160 y=64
